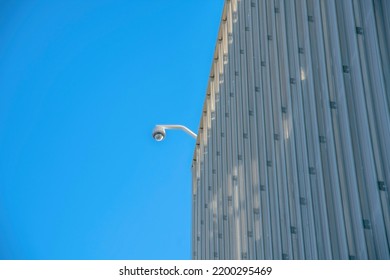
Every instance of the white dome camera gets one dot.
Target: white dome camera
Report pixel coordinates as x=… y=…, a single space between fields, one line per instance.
x=158 y=133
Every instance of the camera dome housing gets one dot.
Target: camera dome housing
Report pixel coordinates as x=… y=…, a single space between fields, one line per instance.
x=158 y=133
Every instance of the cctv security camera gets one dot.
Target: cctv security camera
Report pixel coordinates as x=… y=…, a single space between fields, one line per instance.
x=158 y=133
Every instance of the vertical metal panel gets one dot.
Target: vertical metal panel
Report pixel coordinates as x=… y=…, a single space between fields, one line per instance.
x=292 y=157
x=325 y=132
x=255 y=129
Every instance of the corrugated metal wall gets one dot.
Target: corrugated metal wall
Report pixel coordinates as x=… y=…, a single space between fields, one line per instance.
x=293 y=152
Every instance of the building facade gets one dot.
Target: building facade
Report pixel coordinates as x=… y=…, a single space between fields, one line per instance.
x=292 y=159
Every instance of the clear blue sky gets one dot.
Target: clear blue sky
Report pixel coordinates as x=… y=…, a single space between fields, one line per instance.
x=82 y=84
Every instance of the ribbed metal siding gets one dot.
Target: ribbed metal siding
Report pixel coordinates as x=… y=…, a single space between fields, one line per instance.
x=293 y=152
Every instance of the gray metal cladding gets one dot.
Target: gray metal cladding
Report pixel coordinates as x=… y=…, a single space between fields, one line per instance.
x=292 y=159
